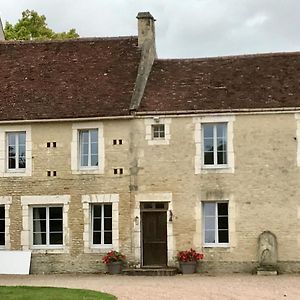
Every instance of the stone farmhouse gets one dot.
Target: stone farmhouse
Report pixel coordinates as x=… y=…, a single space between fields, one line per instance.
x=105 y=146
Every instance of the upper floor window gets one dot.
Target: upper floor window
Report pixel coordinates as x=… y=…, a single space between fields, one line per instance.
x=47 y=224
x=2 y=225
x=88 y=143
x=16 y=151
x=87 y=148
x=216 y=231
x=214 y=144
x=158 y=131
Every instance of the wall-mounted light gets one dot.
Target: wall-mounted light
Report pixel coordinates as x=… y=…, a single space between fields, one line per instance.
x=170 y=216
x=136 y=220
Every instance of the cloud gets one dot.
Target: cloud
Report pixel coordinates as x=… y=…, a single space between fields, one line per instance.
x=190 y=28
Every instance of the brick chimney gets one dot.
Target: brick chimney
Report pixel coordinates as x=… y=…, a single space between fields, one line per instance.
x=2 y=38
x=146 y=28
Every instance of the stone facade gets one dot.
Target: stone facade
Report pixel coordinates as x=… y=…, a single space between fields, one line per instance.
x=262 y=192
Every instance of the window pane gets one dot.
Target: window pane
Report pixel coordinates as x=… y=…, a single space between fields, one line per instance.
x=84 y=136
x=2 y=225
x=97 y=224
x=11 y=139
x=107 y=237
x=222 y=158
x=94 y=135
x=210 y=209
x=223 y=209
x=209 y=236
x=84 y=149
x=56 y=225
x=39 y=213
x=97 y=210
x=208 y=145
x=208 y=158
x=94 y=160
x=208 y=130
x=39 y=225
x=222 y=131
x=56 y=238
x=55 y=212
x=2 y=239
x=108 y=224
x=22 y=138
x=84 y=160
x=210 y=223
x=107 y=210
x=223 y=222
x=94 y=148
x=11 y=163
x=96 y=238
x=2 y=212
x=223 y=236
x=39 y=238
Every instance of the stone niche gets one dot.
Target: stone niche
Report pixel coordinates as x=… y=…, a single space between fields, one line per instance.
x=267 y=254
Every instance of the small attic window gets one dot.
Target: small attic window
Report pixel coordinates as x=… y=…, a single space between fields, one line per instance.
x=158 y=131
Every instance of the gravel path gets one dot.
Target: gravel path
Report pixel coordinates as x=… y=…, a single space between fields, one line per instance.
x=236 y=286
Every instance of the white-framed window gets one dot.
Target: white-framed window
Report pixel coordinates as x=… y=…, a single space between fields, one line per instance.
x=47 y=226
x=158 y=130
x=2 y=225
x=214 y=144
x=101 y=224
x=87 y=148
x=45 y=223
x=16 y=151
x=215 y=224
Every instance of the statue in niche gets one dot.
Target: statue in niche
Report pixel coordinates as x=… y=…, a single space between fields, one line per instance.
x=267 y=249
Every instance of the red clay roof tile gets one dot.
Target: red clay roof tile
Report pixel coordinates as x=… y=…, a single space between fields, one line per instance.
x=67 y=79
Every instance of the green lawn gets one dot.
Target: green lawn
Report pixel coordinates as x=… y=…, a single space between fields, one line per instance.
x=49 y=293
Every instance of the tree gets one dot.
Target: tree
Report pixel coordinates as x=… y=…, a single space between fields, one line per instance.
x=32 y=26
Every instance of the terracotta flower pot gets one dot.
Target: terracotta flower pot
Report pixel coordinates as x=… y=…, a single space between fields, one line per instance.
x=188 y=267
x=114 y=267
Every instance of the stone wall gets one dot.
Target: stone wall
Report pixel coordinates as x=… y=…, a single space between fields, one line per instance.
x=263 y=191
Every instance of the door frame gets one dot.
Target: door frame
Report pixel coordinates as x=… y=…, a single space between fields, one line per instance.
x=153 y=210
x=137 y=235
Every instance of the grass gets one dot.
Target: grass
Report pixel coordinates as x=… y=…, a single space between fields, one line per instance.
x=50 y=293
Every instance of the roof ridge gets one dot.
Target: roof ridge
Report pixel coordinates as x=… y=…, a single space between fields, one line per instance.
x=76 y=40
x=226 y=57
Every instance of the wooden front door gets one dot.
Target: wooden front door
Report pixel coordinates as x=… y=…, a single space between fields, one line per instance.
x=154 y=238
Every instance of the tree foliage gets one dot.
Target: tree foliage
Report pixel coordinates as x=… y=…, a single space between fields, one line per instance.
x=32 y=26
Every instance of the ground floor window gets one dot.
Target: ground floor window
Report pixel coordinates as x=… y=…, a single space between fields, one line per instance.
x=102 y=224
x=216 y=230
x=47 y=224
x=2 y=225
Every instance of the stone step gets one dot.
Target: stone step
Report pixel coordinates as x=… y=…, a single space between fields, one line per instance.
x=150 y=272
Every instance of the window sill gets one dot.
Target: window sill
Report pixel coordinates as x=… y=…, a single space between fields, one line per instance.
x=216 y=246
x=216 y=169
x=49 y=250
x=88 y=171
x=99 y=249
x=16 y=173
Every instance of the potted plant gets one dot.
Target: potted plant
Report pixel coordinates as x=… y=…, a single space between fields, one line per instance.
x=114 y=261
x=188 y=260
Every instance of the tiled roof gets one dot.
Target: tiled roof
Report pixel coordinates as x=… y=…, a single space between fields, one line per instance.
x=67 y=79
x=225 y=83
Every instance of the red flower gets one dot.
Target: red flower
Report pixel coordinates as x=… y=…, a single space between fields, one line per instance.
x=189 y=255
x=113 y=256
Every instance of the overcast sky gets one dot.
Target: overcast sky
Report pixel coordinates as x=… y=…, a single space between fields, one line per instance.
x=184 y=28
